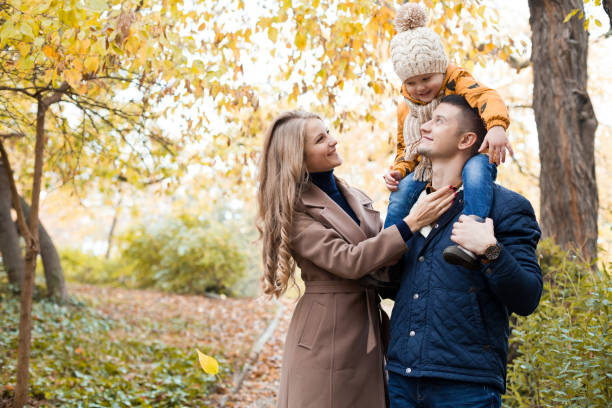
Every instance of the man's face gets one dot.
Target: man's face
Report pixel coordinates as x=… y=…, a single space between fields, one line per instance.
x=440 y=136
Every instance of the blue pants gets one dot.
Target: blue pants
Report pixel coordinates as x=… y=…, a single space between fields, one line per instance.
x=407 y=392
x=478 y=177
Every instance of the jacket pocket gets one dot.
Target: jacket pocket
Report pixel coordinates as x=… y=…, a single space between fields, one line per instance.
x=312 y=325
x=484 y=337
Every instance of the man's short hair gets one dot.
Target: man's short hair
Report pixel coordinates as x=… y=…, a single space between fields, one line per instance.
x=470 y=120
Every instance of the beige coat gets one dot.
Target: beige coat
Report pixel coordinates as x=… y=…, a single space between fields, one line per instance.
x=333 y=355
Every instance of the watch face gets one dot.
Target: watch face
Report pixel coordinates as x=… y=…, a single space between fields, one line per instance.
x=492 y=252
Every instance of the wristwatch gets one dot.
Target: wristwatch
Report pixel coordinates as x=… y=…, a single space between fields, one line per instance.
x=492 y=252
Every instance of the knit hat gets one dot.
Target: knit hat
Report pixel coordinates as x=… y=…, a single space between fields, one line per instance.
x=416 y=49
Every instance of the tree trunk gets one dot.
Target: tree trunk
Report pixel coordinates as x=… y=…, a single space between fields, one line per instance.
x=566 y=126
x=12 y=255
x=54 y=274
x=25 y=315
x=111 y=233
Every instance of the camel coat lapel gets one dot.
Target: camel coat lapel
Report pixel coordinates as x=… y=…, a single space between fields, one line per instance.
x=324 y=207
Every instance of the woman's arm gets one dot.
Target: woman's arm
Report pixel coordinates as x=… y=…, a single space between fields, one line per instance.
x=327 y=249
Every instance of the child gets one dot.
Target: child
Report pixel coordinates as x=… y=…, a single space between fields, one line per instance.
x=420 y=61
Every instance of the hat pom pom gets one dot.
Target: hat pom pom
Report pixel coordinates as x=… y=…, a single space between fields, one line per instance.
x=410 y=16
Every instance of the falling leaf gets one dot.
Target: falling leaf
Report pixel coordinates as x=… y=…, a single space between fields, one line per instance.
x=208 y=363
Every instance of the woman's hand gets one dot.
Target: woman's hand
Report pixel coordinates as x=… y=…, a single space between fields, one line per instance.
x=430 y=207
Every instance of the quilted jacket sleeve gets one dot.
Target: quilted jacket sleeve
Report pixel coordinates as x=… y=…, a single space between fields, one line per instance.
x=515 y=277
x=327 y=249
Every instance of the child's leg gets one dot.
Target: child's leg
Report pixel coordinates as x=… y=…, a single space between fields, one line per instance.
x=478 y=178
x=402 y=199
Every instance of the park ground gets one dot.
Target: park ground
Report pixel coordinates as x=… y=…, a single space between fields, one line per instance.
x=225 y=328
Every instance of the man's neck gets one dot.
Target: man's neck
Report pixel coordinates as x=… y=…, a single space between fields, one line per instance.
x=447 y=172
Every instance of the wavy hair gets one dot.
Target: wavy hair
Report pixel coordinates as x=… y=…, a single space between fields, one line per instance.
x=282 y=176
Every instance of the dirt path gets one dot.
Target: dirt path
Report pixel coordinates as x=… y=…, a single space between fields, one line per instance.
x=226 y=328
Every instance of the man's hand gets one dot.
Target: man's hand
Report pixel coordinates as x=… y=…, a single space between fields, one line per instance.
x=392 y=179
x=473 y=235
x=497 y=142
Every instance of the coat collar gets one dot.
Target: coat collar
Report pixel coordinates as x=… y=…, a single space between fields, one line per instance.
x=447 y=217
x=314 y=198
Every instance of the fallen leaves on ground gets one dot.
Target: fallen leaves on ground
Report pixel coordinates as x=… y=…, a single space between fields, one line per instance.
x=228 y=327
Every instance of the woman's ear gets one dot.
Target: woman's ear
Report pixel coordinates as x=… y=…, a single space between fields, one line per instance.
x=467 y=140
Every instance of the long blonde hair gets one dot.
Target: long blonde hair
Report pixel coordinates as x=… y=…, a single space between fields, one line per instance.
x=282 y=177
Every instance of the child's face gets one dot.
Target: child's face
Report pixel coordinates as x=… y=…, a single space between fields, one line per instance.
x=424 y=87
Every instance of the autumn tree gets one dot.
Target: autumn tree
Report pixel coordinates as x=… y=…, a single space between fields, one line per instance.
x=566 y=124
x=83 y=83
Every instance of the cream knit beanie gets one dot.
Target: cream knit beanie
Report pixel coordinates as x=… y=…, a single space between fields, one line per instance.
x=416 y=49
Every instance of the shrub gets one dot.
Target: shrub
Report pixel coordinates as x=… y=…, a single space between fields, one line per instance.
x=84 y=267
x=186 y=255
x=563 y=348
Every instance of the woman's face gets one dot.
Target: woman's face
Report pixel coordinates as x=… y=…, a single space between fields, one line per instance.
x=320 y=147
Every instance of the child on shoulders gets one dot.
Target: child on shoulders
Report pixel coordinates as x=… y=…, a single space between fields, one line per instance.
x=421 y=63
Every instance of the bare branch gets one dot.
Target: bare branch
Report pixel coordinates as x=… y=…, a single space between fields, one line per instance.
x=9 y=135
x=20 y=90
x=56 y=96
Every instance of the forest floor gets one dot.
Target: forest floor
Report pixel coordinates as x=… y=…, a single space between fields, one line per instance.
x=226 y=328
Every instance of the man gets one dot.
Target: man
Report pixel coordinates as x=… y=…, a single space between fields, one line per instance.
x=449 y=326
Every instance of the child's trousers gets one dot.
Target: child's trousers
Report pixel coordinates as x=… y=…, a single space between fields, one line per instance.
x=478 y=177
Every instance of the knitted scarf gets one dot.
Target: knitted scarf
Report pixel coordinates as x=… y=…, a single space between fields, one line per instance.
x=418 y=115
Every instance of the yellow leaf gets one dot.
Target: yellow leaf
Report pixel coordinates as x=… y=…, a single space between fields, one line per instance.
x=300 y=40
x=570 y=15
x=73 y=77
x=24 y=49
x=91 y=64
x=208 y=364
x=273 y=34
x=469 y=65
x=49 y=52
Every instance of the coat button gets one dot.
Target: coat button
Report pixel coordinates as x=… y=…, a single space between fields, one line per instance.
x=415 y=296
x=489 y=271
x=436 y=226
x=412 y=333
x=408 y=370
x=421 y=258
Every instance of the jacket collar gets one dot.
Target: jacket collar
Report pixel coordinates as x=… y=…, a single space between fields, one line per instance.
x=447 y=217
x=314 y=198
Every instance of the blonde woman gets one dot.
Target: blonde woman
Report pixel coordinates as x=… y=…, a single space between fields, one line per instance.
x=307 y=217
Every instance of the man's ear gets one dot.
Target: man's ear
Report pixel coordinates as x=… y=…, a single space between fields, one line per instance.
x=467 y=140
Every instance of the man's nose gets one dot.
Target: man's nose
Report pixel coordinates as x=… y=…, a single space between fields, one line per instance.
x=425 y=127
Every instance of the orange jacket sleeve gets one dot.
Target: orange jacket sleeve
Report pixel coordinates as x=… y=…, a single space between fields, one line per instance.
x=491 y=106
x=400 y=163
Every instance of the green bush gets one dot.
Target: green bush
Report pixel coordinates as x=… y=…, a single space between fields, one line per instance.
x=563 y=349
x=186 y=255
x=84 y=267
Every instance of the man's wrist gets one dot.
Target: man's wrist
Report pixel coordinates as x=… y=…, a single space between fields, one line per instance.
x=492 y=252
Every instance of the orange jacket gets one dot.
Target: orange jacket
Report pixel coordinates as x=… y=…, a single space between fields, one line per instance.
x=456 y=81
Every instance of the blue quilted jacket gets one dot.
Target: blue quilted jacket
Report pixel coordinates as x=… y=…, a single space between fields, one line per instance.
x=450 y=322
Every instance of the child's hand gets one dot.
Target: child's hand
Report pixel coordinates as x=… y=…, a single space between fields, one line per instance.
x=392 y=179
x=497 y=142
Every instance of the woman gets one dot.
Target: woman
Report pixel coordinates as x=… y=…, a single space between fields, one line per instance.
x=333 y=354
